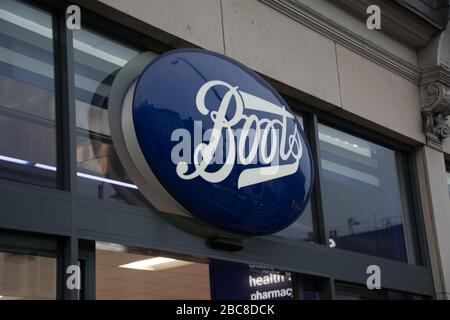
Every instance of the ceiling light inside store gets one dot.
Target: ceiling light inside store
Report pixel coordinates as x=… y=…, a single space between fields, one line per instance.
x=107 y=246
x=155 y=264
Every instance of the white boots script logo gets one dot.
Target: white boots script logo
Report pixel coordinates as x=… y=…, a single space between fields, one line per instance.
x=260 y=142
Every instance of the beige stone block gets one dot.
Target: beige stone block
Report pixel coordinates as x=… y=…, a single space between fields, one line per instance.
x=333 y=11
x=196 y=21
x=281 y=48
x=379 y=95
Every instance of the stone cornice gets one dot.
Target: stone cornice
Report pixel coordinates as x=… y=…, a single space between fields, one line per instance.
x=396 y=21
x=435 y=74
x=435 y=60
x=341 y=35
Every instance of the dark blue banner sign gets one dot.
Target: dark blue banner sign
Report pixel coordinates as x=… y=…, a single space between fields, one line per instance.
x=231 y=281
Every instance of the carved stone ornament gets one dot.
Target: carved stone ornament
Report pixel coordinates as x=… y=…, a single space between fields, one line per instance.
x=435 y=110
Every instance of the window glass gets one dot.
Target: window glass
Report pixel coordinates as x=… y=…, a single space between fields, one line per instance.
x=27 y=94
x=124 y=273
x=24 y=277
x=362 y=191
x=303 y=228
x=448 y=181
x=97 y=60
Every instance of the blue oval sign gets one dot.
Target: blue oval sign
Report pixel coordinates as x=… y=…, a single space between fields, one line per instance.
x=221 y=142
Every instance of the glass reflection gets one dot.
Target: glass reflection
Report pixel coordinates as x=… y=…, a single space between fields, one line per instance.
x=362 y=191
x=27 y=99
x=97 y=61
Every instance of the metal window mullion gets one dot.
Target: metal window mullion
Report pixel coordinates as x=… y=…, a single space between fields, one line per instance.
x=66 y=140
x=297 y=285
x=65 y=107
x=327 y=289
x=87 y=255
x=316 y=197
x=415 y=211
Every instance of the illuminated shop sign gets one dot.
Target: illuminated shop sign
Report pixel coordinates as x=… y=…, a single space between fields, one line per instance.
x=230 y=281
x=200 y=134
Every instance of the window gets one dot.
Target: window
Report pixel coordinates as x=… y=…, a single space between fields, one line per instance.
x=345 y=291
x=363 y=195
x=97 y=60
x=303 y=228
x=123 y=273
x=27 y=95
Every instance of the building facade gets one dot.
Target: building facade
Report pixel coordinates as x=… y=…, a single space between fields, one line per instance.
x=372 y=103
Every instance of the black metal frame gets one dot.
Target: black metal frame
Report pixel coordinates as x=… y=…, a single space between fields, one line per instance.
x=77 y=222
x=87 y=266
